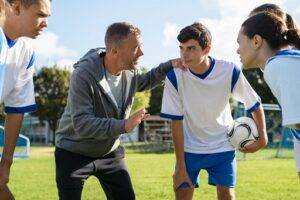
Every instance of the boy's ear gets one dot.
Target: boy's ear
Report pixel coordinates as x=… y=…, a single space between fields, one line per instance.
x=207 y=50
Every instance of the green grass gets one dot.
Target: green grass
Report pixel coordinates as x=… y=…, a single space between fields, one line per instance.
x=266 y=179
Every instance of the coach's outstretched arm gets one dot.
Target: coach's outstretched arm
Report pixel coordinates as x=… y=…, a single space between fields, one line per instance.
x=259 y=118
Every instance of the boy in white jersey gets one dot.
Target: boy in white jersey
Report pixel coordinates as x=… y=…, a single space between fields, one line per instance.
x=264 y=42
x=3 y=45
x=23 y=18
x=197 y=101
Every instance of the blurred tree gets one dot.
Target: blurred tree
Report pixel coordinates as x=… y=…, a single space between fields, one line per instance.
x=141 y=100
x=51 y=90
x=2 y=114
x=155 y=100
x=255 y=78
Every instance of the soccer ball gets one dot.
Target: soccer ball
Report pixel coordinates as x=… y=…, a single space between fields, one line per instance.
x=243 y=132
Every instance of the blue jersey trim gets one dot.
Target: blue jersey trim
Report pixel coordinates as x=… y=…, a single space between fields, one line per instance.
x=32 y=60
x=296 y=133
x=205 y=74
x=25 y=109
x=10 y=42
x=254 y=108
x=172 y=78
x=168 y=116
x=287 y=52
x=235 y=76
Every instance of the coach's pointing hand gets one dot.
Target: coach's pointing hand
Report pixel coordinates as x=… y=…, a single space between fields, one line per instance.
x=135 y=120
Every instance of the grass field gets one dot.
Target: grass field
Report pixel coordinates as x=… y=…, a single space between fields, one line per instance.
x=264 y=179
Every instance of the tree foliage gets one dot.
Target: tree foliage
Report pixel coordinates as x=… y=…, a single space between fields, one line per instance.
x=255 y=78
x=51 y=90
x=155 y=100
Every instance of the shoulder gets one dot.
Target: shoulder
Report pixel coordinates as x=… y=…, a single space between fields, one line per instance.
x=22 y=53
x=24 y=45
x=226 y=65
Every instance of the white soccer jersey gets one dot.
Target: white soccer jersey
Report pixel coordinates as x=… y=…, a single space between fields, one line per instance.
x=282 y=74
x=3 y=51
x=18 y=89
x=202 y=102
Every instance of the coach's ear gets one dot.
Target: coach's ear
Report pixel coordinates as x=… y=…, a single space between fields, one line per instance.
x=15 y=7
x=257 y=41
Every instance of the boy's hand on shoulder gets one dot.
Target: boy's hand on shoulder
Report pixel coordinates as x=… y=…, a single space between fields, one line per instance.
x=177 y=63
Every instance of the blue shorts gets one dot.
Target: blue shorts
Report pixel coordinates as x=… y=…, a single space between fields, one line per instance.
x=221 y=168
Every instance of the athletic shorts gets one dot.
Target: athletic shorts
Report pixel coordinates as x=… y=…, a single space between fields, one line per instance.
x=221 y=168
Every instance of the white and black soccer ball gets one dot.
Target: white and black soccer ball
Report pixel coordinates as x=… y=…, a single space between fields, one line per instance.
x=243 y=132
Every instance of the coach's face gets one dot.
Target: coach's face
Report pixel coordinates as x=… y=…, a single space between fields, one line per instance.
x=192 y=54
x=130 y=51
x=33 y=19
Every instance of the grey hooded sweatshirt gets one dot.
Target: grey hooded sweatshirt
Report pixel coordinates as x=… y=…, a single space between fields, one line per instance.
x=91 y=123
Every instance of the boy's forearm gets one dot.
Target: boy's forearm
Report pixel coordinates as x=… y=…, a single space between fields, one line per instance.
x=259 y=118
x=178 y=140
x=13 y=123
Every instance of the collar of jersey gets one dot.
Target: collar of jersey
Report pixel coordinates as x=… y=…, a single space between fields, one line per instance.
x=205 y=74
x=285 y=53
x=10 y=42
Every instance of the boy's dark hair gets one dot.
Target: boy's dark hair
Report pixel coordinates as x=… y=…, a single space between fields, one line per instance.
x=196 y=31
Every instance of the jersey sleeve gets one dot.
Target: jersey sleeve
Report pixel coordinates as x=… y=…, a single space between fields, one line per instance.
x=21 y=99
x=243 y=92
x=171 y=102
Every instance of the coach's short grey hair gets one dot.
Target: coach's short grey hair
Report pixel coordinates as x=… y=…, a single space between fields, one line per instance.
x=118 y=32
x=26 y=3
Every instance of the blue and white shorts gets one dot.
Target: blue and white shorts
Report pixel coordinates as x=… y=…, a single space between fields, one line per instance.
x=221 y=168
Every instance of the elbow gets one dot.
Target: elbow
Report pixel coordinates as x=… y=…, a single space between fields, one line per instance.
x=264 y=142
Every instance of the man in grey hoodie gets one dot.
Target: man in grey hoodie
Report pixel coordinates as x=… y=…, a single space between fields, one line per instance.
x=102 y=89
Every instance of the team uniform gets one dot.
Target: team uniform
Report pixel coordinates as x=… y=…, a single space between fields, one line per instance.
x=17 y=89
x=201 y=101
x=282 y=73
x=3 y=51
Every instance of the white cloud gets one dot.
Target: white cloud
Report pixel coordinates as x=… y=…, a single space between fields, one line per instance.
x=171 y=31
x=50 y=52
x=296 y=11
x=224 y=30
x=66 y=64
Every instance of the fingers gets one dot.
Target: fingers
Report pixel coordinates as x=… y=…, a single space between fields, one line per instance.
x=147 y=115
x=5 y=194
x=135 y=120
x=3 y=183
x=250 y=148
x=177 y=63
x=178 y=185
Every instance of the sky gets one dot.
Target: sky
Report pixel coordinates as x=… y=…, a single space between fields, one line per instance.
x=75 y=26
